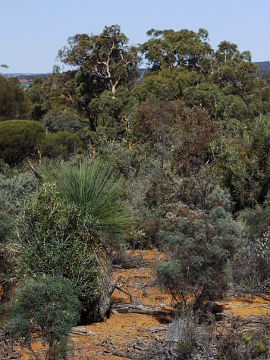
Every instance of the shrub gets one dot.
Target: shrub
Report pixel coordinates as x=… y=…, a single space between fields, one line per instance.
x=19 y=139
x=61 y=144
x=252 y=265
x=5 y=221
x=174 y=133
x=190 y=339
x=55 y=238
x=16 y=185
x=6 y=227
x=238 y=345
x=199 y=246
x=61 y=120
x=241 y=158
x=48 y=305
x=251 y=268
x=66 y=228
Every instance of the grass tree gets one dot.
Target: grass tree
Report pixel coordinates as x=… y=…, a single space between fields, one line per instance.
x=69 y=227
x=94 y=187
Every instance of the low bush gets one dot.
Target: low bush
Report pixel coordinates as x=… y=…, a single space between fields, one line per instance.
x=60 y=144
x=55 y=238
x=16 y=185
x=47 y=305
x=19 y=139
x=199 y=246
x=189 y=338
x=251 y=267
x=61 y=120
x=238 y=345
x=6 y=227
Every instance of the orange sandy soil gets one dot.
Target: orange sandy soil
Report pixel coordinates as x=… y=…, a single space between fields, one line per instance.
x=248 y=306
x=120 y=331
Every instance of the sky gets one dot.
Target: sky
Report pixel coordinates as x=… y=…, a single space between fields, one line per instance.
x=32 y=31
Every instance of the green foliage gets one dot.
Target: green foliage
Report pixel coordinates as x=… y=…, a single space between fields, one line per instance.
x=241 y=157
x=55 y=238
x=186 y=67
x=107 y=56
x=169 y=48
x=100 y=62
x=40 y=94
x=66 y=226
x=5 y=222
x=157 y=86
x=49 y=305
x=14 y=103
x=61 y=120
x=110 y=111
x=19 y=139
x=6 y=227
x=174 y=133
x=94 y=187
x=199 y=246
x=61 y=144
x=251 y=267
x=16 y=185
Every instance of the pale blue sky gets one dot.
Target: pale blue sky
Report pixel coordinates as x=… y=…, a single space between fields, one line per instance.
x=32 y=31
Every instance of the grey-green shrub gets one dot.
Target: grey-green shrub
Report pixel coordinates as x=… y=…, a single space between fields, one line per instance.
x=61 y=144
x=48 y=305
x=199 y=246
x=16 y=185
x=251 y=268
x=6 y=228
x=61 y=120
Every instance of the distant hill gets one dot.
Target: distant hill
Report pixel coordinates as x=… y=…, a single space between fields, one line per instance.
x=264 y=67
x=25 y=75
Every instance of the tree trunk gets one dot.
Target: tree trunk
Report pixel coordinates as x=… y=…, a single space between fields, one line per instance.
x=98 y=310
x=113 y=91
x=92 y=124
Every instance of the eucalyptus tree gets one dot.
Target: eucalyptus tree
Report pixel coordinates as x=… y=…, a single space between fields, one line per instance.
x=98 y=63
x=107 y=56
x=169 y=48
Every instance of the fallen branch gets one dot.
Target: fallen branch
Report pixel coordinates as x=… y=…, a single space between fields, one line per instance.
x=141 y=309
x=81 y=331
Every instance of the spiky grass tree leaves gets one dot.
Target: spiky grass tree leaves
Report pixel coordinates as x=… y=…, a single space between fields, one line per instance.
x=96 y=189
